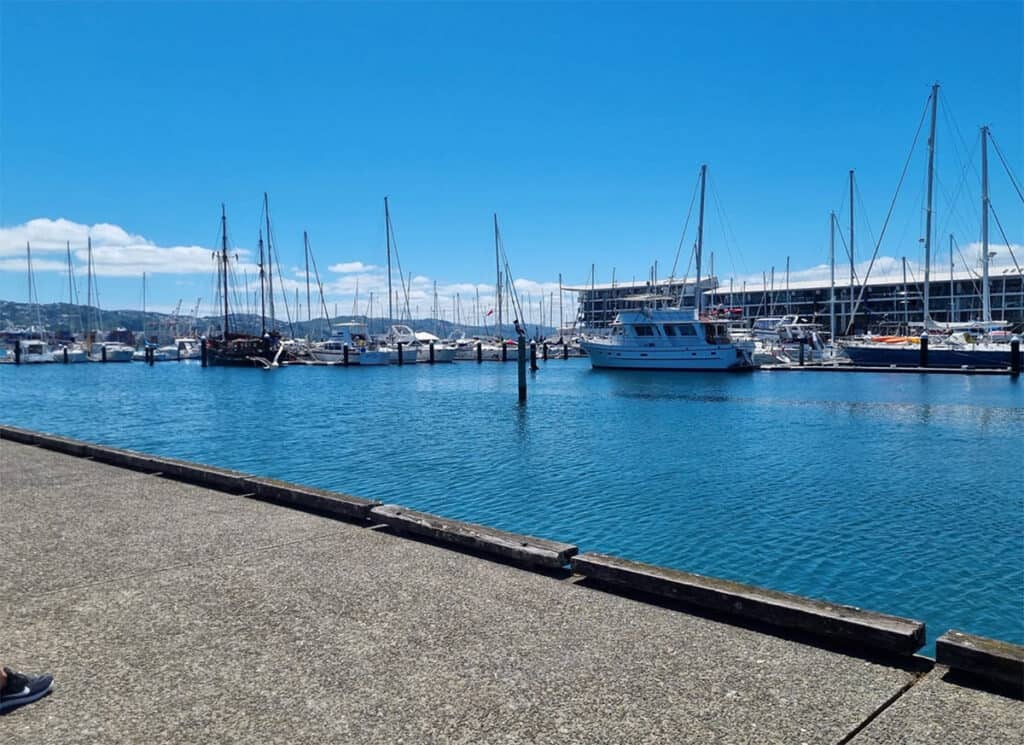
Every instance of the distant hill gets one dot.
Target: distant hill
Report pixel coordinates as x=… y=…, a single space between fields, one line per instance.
x=66 y=321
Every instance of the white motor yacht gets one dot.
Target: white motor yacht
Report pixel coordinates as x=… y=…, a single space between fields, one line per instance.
x=362 y=350
x=419 y=342
x=666 y=339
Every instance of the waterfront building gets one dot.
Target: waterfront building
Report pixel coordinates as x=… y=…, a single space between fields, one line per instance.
x=888 y=301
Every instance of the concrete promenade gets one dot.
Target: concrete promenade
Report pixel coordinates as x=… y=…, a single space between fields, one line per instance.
x=173 y=613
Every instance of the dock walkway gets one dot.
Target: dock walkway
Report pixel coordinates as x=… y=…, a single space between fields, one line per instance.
x=171 y=613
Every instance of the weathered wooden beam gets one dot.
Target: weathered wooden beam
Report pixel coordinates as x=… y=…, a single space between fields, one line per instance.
x=309 y=498
x=996 y=661
x=520 y=549
x=837 y=623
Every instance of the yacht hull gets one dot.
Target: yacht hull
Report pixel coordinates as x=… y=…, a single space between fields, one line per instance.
x=886 y=355
x=621 y=357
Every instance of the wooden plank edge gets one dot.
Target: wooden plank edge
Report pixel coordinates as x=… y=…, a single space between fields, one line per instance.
x=835 y=622
x=514 y=547
x=992 y=660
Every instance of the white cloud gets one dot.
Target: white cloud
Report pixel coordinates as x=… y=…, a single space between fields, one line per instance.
x=351 y=267
x=116 y=252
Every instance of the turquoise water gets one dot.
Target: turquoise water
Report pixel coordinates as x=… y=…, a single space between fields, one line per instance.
x=897 y=493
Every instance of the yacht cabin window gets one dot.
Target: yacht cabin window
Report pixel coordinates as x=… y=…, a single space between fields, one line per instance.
x=644 y=330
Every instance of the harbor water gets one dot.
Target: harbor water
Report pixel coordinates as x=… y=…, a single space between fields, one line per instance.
x=896 y=493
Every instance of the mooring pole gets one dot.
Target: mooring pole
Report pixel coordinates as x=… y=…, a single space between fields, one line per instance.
x=533 y=356
x=924 y=349
x=1015 y=356
x=522 y=368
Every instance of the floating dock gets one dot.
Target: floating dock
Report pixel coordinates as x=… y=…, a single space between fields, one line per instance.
x=178 y=602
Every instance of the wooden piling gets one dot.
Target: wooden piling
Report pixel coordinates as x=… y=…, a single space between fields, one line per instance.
x=202 y=351
x=17 y=351
x=479 y=352
x=400 y=360
x=344 y=355
x=504 y=351
x=431 y=345
x=565 y=351
x=533 y=356
x=924 y=350
x=65 y=355
x=1015 y=356
x=801 y=353
x=103 y=352
x=522 y=367
x=544 y=351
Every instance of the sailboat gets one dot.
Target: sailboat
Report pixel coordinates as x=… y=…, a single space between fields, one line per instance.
x=660 y=338
x=233 y=349
x=71 y=352
x=33 y=347
x=959 y=349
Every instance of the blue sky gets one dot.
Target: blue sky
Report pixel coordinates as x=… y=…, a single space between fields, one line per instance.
x=582 y=125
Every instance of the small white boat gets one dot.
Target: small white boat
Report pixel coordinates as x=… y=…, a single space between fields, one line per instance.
x=419 y=342
x=75 y=353
x=35 y=351
x=115 y=352
x=354 y=337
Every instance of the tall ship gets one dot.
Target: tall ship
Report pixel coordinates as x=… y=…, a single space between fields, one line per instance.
x=659 y=338
x=234 y=349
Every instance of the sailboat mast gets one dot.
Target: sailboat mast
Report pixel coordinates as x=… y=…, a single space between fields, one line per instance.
x=697 y=301
x=928 y=212
x=986 y=297
x=497 y=269
x=270 y=263
x=263 y=292
x=71 y=279
x=28 y=264
x=224 y=263
x=309 y=306
x=88 y=273
x=387 y=238
x=952 y=284
x=832 y=278
x=561 y=318
x=849 y=326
